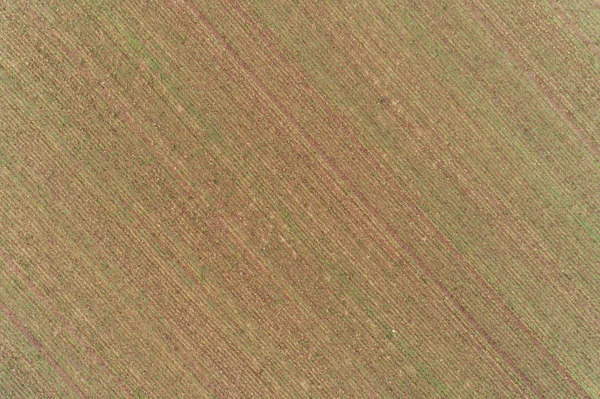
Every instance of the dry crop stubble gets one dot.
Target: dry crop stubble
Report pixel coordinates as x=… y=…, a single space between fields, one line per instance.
x=284 y=199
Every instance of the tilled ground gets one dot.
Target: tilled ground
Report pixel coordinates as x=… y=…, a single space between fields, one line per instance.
x=299 y=199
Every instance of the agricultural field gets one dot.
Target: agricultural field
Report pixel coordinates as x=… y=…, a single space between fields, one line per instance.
x=300 y=199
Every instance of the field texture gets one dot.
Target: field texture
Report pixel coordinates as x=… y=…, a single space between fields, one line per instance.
x=300 y=199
